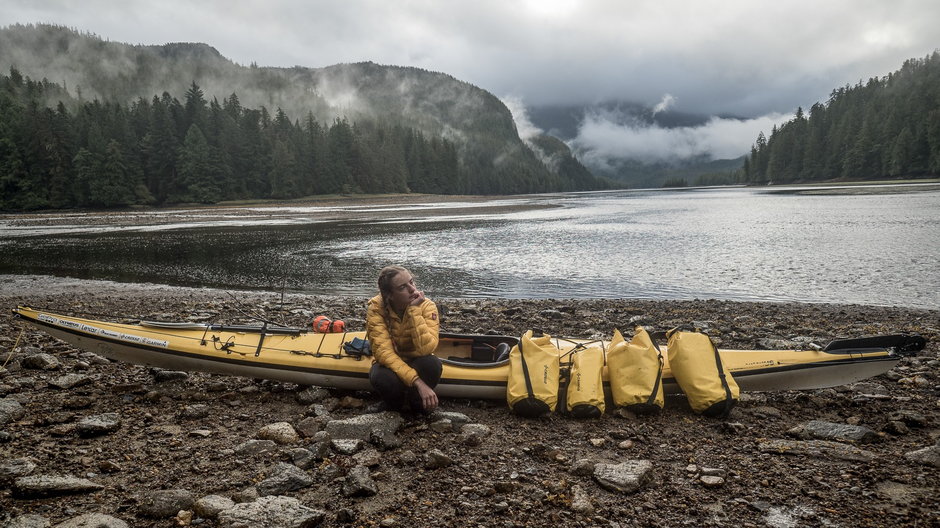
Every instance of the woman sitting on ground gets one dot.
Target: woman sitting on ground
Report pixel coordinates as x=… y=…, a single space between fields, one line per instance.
x=402 y=328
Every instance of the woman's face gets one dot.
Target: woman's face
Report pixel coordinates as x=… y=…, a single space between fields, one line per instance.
x=403 y=290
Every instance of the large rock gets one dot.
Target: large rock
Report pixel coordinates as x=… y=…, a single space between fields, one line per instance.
x=93 y=520
x=210 y=506
x=70 y=381
x=284 y=478
x=38 y=486
x=271 y=512
x=14 y=468
x=41 y=361
x=28 y=521
x=163 y=504
x=929 y=456
x=626 y=477
x=362 y=427
x=255 y=447
x=359 y=483
x=834 y=431
x=817 y=449
x=10 y=410
x=99 y=424
x=281 y=432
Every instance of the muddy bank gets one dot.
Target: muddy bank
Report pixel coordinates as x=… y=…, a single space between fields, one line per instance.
x=80 y=435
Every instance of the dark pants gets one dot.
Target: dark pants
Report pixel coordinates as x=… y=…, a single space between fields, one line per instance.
x=393 y=390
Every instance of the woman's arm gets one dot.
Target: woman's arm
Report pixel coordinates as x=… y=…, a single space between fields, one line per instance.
x=427 y=327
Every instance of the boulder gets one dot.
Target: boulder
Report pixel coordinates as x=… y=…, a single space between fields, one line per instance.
x=817 y=429
x=362 y=427
x=41 y=361
x=28 y=521
x=39 y=486
x=14 y=468
x=210 y=506
x=929 y=456
x=10 y=410
x=627 y=477
x=271 y=512
x=164 y=504
x=284 y=478
x=282 y=433
x=93 y=520
x=98 y=424
x=359 y=483
x=817 y=449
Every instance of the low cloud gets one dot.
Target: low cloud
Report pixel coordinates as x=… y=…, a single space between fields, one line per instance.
x=666 y=103
x=520 y=115
x=604 y=138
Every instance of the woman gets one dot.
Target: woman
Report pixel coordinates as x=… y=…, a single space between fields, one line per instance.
x=402 y=327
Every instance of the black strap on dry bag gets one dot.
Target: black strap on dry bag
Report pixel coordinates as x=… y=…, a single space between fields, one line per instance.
x=725 y=409
x=659 y=375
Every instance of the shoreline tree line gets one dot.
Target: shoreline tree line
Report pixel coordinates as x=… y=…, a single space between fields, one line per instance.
x=888 y=127
x=94 y=154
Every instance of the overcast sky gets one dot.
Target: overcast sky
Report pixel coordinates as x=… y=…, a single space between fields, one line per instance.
x=755 y=59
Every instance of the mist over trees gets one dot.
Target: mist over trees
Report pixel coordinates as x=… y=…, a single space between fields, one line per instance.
x=348 y=128
x=885 y=128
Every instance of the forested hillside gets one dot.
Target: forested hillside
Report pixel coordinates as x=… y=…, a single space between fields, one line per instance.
x=887 y=127
x=110 y=124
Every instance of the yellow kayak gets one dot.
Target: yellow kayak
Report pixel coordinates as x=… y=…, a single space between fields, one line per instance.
x=473 y=366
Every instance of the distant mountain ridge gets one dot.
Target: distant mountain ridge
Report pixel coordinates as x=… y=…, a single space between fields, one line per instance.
x=478 y=123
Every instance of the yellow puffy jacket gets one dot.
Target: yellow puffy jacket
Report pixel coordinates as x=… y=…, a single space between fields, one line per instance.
x=393 y=338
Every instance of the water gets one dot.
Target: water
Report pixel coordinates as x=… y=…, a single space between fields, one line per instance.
x=865 y=245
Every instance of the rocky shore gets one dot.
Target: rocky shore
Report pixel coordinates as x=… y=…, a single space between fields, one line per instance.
x=89 y=442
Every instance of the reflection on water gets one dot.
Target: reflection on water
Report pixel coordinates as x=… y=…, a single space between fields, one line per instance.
x=740 y=244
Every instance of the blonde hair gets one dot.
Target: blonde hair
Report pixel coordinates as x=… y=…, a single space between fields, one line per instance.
x=385 y=280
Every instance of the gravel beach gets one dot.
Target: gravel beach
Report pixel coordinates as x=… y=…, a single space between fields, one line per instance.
x=89 y=442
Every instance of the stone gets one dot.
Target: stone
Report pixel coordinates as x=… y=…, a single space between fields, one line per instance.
x=255 y=447
x=28 y=521
x=368 y=458
x=456 y=418
x=479 y=429
x=346 y=446
x=436 y=459
x=312 y=395
x=581 y=501
x=816 y=448
x=210 y=506
x=712 y=481
x=776 y=344
x=442 y=426
x=41 y=361
x=359 y=483
x=39 y=486
x=271 y=512
x=869 y=388
x=302 y=458
x=911 y=418
x=627 y=477
x=164 y=504
x=821 y=430
x=99 y=424
x=14 y=468
x=282 y=433
x=195 y=411
x=93 y=520
x=10 y=410
x=308 y=426
x=362 y=427
x=161 y=375
x=284 y=478
x=598 y=442
x=929 y=456
x=583 y=467
x=70 y=381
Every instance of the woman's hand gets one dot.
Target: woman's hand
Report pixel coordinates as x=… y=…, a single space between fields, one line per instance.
x=427 y=395
x=417 y=298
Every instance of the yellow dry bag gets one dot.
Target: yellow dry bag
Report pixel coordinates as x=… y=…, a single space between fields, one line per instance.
x=635 y=371
x=585 y=394
x=532 y=387
x=699 y=371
